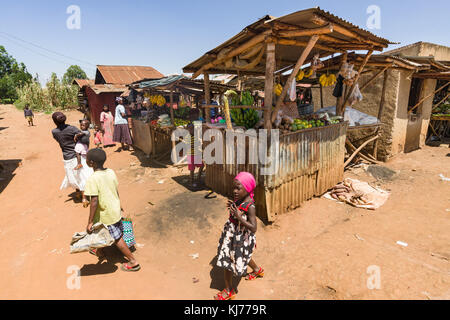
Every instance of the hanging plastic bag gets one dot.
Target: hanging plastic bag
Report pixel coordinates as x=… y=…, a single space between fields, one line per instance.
x=292 y=91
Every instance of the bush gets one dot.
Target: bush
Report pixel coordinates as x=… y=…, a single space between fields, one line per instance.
x=56 y=96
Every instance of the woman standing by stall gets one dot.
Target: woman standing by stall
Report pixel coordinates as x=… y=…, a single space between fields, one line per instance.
x=121 y=129
x=107 y=121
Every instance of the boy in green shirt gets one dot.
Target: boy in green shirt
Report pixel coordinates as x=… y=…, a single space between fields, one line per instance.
x=101 y=188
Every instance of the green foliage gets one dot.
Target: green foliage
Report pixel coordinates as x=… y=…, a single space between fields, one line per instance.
x=56 y=95
x=13 y=75
x=73 y=72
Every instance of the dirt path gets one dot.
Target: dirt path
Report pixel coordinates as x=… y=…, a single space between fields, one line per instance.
x=319 y=251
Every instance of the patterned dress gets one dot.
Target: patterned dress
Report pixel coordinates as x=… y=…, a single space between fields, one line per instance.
x=236 y=244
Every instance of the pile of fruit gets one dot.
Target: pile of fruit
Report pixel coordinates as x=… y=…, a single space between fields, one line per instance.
x=311 y=121
x=326 y=81
x=247 y=98
x=247 y=118
x=180 y=122
x=181 y=112
x=156 y=100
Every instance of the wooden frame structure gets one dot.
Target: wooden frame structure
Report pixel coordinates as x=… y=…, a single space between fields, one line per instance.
x=158 y=142
x=310 y=161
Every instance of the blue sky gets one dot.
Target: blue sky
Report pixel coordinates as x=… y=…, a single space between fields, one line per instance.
x=167 y=35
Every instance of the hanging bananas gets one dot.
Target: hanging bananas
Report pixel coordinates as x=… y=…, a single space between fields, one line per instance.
x=326 y=81
x=300 y=75
x=278 y=89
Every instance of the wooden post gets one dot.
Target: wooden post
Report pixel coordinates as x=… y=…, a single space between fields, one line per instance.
x=172 y=117
x=301 y=60
x=425 y=98
x=373 y=78
x=207 y=97
x=321 y=97
x=380 y=110
x=355 y=82
x=437 y=104
x=268 y=85
x=339 y=99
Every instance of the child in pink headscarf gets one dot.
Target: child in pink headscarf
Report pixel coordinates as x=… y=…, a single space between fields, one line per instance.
x=238 y=237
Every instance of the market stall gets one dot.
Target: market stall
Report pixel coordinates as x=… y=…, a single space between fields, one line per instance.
x=310 y=158
x=167 y=103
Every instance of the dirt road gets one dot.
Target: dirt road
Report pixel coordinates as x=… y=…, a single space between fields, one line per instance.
x=320 y=251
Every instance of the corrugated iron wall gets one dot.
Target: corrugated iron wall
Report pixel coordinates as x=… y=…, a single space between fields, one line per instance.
x=149 y=140
x=310 y=162
x=142 y=138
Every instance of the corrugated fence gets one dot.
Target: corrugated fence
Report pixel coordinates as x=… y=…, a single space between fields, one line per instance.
x=310 y=162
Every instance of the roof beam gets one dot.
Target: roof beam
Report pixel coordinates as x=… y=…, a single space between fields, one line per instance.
x=245 y=46
x=306 y=32
x=346 y=32
x=291 y=42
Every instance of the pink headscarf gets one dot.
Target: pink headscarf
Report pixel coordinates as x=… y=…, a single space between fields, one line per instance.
x=248 y=182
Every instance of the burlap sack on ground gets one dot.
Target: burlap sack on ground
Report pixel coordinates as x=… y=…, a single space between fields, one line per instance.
x=99 y=238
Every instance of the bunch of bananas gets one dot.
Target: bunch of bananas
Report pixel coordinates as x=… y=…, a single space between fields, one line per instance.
x=326 y=81
x=247 y=118
x=182 y=102
x=247 y=98
x=309 y=73
x=302 y=74
x=278 y=89
x=158 y=100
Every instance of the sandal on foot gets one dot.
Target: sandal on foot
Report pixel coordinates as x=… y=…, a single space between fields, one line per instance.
x=128 y=268
x=225 y=295
x=255 y=275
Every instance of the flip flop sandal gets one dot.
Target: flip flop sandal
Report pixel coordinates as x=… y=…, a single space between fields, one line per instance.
x=230 y=295
x=255 y=275
x=127 y=268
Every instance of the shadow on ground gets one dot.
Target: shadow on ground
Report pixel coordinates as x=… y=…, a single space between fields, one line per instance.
x=185 y=181
x=7 y=168
x=106 y=265
x=218 y=278
x=150 y=161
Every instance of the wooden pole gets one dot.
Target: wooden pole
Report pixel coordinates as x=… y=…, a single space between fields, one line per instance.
x=172 y=117
x=306 y=32
x=268 y=85
x=301 y=60
x=339 y=99
x=373 y=78
x=437 y=104
x=380 y=110
x=207 y=97
x=296 y=43
x=359 y=149
x=321 y=97
x=249 y=44
x=425 y=98
x=355 y=82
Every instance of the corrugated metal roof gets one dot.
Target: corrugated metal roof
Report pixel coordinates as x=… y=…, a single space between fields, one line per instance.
x=126 y=74
x=83 y=82
x=288 y=54
x=104 y=88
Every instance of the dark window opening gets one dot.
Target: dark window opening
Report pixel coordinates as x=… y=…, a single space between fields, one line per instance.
x=414 y=94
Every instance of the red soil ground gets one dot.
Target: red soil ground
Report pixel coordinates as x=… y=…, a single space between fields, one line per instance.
x=319 y=251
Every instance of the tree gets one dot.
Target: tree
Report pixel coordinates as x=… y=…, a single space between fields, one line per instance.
x=6 y=62
x=13 y=75
x=73 y=72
